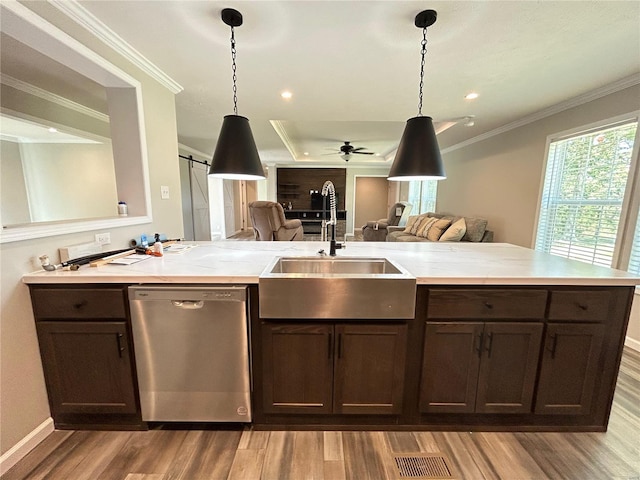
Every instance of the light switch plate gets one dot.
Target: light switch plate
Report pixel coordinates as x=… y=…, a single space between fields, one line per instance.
x=164 y=192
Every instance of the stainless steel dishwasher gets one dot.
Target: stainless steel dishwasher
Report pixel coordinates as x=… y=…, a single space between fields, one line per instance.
x=192 y=353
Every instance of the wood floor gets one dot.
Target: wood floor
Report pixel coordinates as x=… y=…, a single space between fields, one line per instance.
x=163 y=454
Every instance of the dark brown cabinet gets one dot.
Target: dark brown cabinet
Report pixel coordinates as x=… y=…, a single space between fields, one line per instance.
x=569 y=370
x=87 y=355
x=479 y=367
x=87 y=367
x=333 y=368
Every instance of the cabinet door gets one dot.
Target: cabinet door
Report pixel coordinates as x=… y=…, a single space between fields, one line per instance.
x=87 y=367
x=369 y=369
x=508 y=367
x=569 y=369
x=450 y=367
x=298 y=368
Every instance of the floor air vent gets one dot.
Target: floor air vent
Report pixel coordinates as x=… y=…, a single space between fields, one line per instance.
x=434 y=466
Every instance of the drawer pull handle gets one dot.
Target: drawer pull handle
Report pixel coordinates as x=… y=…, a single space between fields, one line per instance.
x=582 y=306
x=478 y=347
x=488 y=305
x=554 y=345
x=80 y=304
x=490 y=344
x=120 y=345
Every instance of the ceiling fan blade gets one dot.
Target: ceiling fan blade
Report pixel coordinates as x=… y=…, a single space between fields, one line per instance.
x=362 y=153
x=359 y=148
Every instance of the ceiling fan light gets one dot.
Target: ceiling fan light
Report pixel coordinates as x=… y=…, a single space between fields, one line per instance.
x=418 y=155
x=236 y=155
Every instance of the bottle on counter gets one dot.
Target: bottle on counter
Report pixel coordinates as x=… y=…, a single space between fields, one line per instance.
x=123 y=210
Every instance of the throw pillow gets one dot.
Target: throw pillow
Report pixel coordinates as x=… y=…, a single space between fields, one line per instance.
x=455 y=232
x=437 y=229
x=475 y=229
x=418 y=223
x=410 y=222
x=423 y=230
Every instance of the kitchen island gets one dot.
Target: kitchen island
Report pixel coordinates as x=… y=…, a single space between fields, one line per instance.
x=503 y=338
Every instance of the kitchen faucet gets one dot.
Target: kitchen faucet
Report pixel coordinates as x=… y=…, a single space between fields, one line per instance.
x=328 y=188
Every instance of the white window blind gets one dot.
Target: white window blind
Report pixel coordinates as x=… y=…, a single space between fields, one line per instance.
x=583 y=193
x=422 y=195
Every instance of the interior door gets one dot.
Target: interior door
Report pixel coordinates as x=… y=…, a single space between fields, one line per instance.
x=229 y=215
x=371 y=202
x=200 y=201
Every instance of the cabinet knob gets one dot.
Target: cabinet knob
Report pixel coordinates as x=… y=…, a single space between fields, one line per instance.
x=582 y=306
x=80 y=304
x=488 y=305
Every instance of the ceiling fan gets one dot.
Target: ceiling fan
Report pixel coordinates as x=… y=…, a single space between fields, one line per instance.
x=347 y=150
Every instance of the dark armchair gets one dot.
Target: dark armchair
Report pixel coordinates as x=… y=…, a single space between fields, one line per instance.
x=376 y=231
x=269 y=223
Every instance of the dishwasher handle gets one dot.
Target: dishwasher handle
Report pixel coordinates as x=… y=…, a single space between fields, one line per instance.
x=188 y=304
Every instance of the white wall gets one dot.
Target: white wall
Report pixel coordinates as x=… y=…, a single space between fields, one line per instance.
x=69 y=181
x=14 y=204
x=23 y=399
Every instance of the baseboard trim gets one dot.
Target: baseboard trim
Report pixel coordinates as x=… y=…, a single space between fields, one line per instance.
x=632 y=343
x=24 y=446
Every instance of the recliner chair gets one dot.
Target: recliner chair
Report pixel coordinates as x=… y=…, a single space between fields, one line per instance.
x=270 y=224
x=376 y=231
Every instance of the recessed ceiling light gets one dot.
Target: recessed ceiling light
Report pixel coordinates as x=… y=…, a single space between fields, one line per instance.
x=53 y=130
x=306 y=153
x=471 y=96
x=286 y=95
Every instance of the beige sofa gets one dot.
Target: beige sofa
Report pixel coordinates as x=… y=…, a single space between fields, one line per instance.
x=447 y=229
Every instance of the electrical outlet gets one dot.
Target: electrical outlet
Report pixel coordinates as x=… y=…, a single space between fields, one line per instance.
x=164 y=192
x=103 y=238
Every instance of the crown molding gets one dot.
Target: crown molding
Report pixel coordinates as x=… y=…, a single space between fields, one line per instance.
x=282 y=133
x=614 y=87
x=84 y=18
x=51 y=97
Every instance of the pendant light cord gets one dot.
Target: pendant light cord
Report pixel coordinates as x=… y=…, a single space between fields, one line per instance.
x=423 y=52
x=233 y=68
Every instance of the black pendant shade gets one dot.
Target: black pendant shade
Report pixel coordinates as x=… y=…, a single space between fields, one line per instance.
x=236 y=156
x=418 y=155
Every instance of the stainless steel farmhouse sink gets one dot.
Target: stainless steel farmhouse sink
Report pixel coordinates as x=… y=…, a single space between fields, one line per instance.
x=360 y=288
x=334 y=265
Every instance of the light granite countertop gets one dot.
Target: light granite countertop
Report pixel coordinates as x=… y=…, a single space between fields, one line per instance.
x=233 y=262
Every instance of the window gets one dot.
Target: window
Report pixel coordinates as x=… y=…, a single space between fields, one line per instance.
x=584 y=192
x=422 y=195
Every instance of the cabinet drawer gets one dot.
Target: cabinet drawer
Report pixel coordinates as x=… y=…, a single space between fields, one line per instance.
x=80 y=303
x=580 y=305
x=481 y=304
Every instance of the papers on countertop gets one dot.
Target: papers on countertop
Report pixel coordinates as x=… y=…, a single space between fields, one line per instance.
x=129 y=259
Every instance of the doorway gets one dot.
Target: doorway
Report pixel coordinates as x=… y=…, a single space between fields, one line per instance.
x=371 y=200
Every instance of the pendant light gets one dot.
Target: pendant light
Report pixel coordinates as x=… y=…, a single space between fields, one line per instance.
x=418 y=155
x=236 y=156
